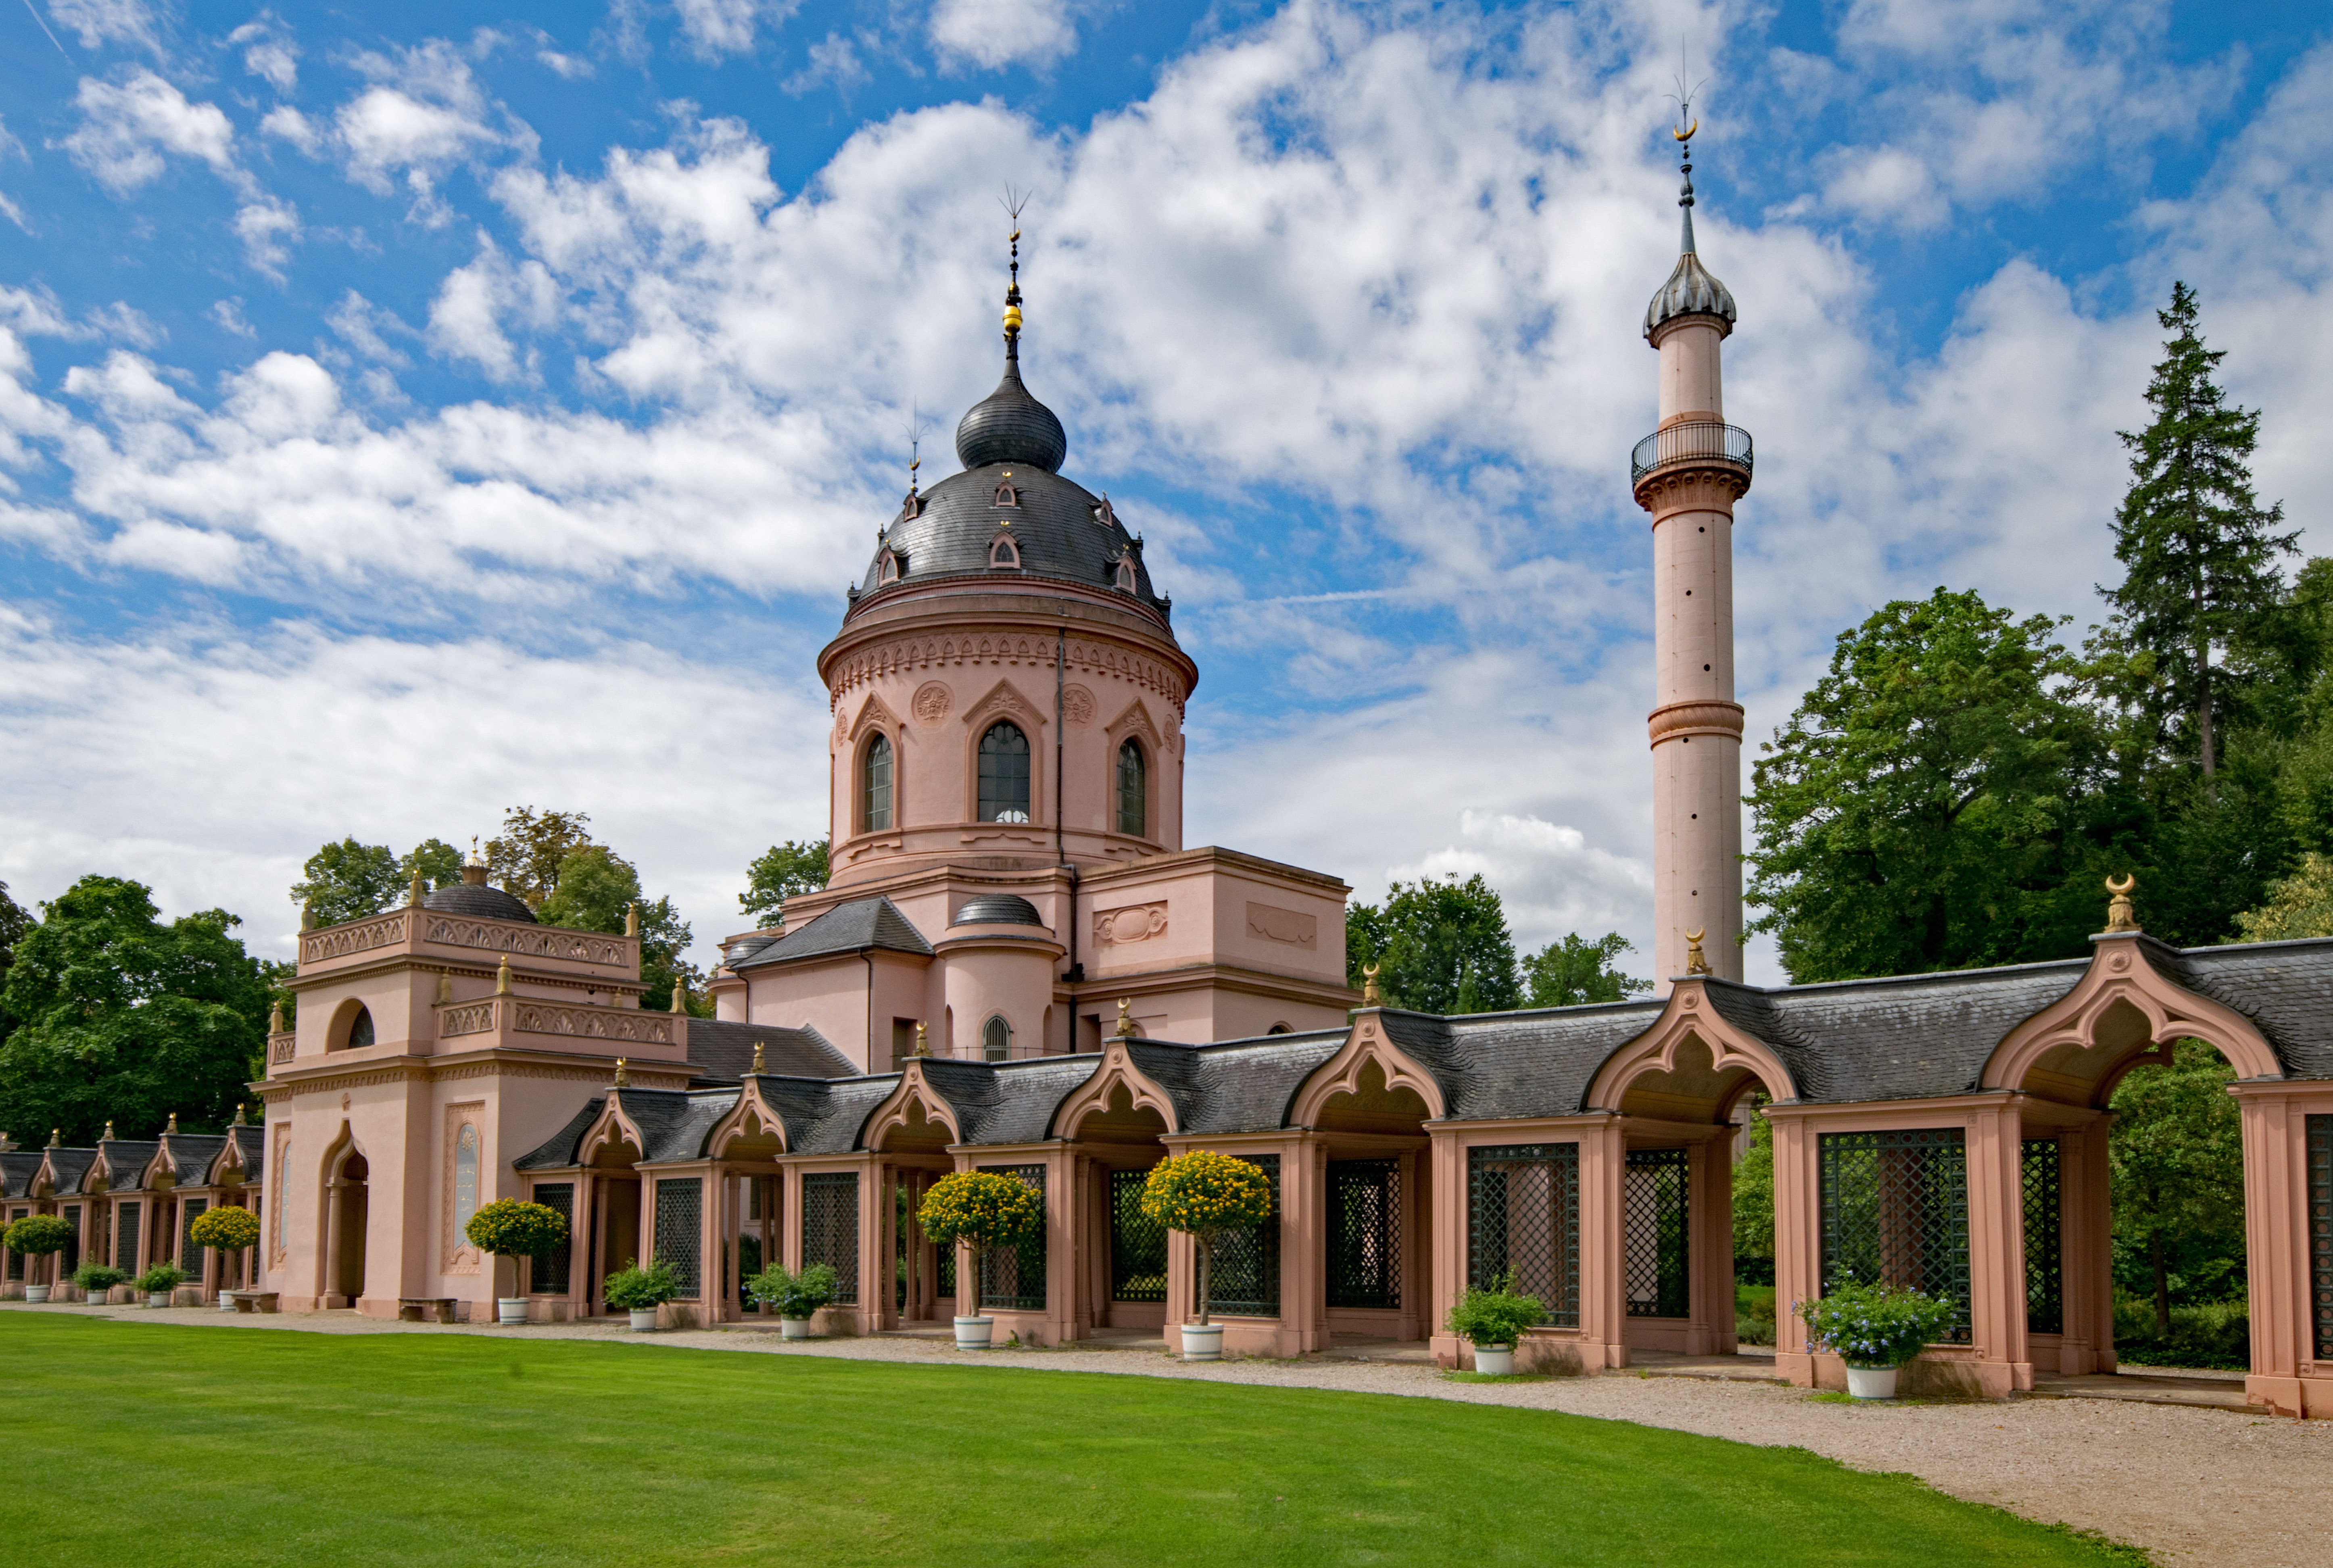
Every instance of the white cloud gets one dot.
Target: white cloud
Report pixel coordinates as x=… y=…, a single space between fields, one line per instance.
x=264 y=225
x=127 y=128
x=992 y=34
x=423 y=114
x=465 y=319
x=228 y=314
x=834 y=61
x=363 y=323
x=99 y=22
x=291 y=126
x=268 y=51
x=716 y=28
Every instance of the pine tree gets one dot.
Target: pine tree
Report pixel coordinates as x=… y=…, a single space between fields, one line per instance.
x=2198 y=550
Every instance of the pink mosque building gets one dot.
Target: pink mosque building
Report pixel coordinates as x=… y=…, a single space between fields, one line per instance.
x=1019 y=966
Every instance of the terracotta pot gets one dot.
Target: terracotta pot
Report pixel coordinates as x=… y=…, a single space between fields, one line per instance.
x=644 y=1319
x=793 y=1328
x=1497 y=1361
x=510 y=1309
x=1202 y=1343
x=36 y=1294
x=1872 y=1382
x=974 y=1333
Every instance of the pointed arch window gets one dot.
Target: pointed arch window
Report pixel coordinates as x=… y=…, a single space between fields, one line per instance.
x=875 y=786
x=1004 y=774
x=1007 y=496
x=1133 y=788
x=996 y=1040
x=1124 y=575
x=893 y=565
x=1003 y=553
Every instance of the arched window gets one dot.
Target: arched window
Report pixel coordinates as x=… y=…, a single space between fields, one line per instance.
x=1004 y=774
x=893 y=565
x=1124 y=576
x=466 y=1178
x=996 y=1040
x=875 y=786
x=1133 y=789
x=1007 y=496
x=1003 y=551
x=361 y=1029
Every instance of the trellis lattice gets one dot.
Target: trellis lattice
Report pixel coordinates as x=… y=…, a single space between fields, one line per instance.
x=130 y=1220
x=549 y=1274
x=1365 y=1233
x=830 y=1233
x=1522 y=1216
x=2320 y=1232
x=1894 y=1209
x=1013 y=1277
x=2045 y=1278
x=1658 y=1195
x=190 y=1256
x=1244 y=1279
x=680 y=1230
x=1137 y=1243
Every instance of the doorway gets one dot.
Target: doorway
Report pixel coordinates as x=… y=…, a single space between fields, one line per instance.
x=349 y=1192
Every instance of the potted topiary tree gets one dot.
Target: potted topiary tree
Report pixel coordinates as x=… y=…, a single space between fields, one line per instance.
x=159 y=1281
x=981 y=1209
x=509 y=1227
x=97 y=1279
x=640 y=1291
x=225 y=1229
x=1493 y=1321
x=37 y=1235
x=795 y=1297
x=1205 y=1195
x=1877 y=1330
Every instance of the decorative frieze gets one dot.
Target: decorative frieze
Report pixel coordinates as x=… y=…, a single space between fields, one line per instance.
x=357 y=936
x=1292 y=926
x=595 y=1023
x=1129 y=923
x=280 y=1047
x=530 y=941
x=933 y=653
x=470 y=1018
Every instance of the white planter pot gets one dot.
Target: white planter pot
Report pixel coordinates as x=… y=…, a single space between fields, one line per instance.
x=644 y=1319
x=1872 y=1382
x=974 y=1333
x=36 y=1294
x=1203 y=1344
x=225 y=1302
x=509 y=1309
x=1497 y=1361
x=158 y=1298
x=799 y=1327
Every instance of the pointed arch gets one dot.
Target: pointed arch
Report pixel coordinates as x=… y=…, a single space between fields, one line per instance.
x=609 y=1133
x=873 y=714
x=2074 y=1049
x=1692 y=1035
x=1117 y=1072
x=752 y=1120
x=914 y=1104
x=1341 y=1073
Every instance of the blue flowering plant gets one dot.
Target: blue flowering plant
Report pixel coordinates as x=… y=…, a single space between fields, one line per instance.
x=1875 y=1326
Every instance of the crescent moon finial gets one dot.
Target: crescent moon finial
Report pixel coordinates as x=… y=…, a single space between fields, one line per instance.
x=2124 y=885
x=1686 y=134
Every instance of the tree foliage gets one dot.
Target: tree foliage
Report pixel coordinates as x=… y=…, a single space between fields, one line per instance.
x=1579 y=970
x=593 y=889
x=2176 y=1156
x=2300 y=905
x=121 y=1015
x=797 y=865
x=524 y=859
x=349 y=881
x=1441 y=946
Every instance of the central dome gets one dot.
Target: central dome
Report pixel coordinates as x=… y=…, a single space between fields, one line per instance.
x=1009 y=426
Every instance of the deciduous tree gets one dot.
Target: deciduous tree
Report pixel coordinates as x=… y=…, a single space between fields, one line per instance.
x=1575 y=970
x=593 y=890
x=787 y=868
x=1441 y=946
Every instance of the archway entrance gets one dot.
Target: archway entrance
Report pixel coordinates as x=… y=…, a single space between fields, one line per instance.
x=914 y=1151
x=1376 y=1211
x=1126 y=1249
x=615 y=1226
x=347 y=1226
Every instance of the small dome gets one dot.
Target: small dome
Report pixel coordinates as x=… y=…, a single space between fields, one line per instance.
x=1693 y=289
x=997 y=909
x=478 y=900
x=1009 y=426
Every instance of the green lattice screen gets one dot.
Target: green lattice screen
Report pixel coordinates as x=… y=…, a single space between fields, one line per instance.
x=2045 y=1280
x=1522 y=1215
x=1895 y=1209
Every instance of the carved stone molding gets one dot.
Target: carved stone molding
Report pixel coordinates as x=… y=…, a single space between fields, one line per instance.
x=360 y=936
x=1129 y=923
x=1697 y=718
x=530 y=941
x=281 y=1047
x=470 y=1018
x=1686 y=488
x=932 y=701
x=1294 y=927
x=1077 y=704
x=1090 y=657
x=455 y=1255
x=594 y=1023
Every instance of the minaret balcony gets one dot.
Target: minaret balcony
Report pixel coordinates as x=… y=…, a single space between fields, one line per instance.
x=1692 y=444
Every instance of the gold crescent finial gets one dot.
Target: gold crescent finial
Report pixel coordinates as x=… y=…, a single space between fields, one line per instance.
x=1370 y=996
x=1694 y=963
x=623 y=1079
x=2120 y=915
x=1126 y=1019
x=1686 y=134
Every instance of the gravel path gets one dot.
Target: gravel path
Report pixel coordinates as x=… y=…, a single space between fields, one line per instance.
x=2197 y=1487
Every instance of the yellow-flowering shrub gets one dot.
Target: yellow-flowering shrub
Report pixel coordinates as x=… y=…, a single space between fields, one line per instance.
x=1206 y=1194
x=981 y=1208
x=226 y=1230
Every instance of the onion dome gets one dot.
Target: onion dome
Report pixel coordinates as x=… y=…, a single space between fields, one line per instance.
x=472 y=897
x=1693 y=289
x=1009 y=426
x=997 y=909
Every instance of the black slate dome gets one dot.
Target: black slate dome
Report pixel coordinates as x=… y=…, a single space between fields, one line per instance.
x=1009 y=426
x=997 y=909
x=479 y=900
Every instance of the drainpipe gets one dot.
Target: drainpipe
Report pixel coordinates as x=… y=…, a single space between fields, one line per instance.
x=1077 y=971
x=868 y=954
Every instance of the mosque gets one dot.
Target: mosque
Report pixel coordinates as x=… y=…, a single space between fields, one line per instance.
x=1019 y=966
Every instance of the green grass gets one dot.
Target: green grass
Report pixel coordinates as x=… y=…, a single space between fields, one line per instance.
x=140 y=1443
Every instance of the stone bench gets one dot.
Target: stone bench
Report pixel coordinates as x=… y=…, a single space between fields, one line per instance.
x=254 y=1300
x=410 y=1308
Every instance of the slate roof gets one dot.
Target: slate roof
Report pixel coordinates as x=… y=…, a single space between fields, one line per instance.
x=126 y=1158
x=853 y=927
x=558 y=1151
x=251 y=1144
x=477 y=899
x=192 y=1154
x=2284 y=988
x=16 y=1173
x=1245 y=1085
x=69 y=1169
x=724 y=1052
x=1009 y=425
x=1536 y=1063
x=997 y=909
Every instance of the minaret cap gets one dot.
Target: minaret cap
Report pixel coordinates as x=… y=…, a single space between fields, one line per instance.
x=1693 y=289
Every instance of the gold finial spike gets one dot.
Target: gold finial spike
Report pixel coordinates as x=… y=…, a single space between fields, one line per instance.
x=173 y=1127
x=108 y=1138
x=923 y=1041
x=1370 y=996
x=502 y=977
x=444 y=987
x=631 y=919
x=679 y=995
x=758 y=1067
x=413 y=892
x=1126 y=1019
x=623 y=1080
x=2120 y=915
x=275 y=1018
x=56 y=1137
x=1694 y=963
x=307 y=917
x=238 y=1120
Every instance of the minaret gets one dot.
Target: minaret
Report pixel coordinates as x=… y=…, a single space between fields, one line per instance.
x=1687 y=474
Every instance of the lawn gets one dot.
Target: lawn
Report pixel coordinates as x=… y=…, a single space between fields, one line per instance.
x=141 y=1443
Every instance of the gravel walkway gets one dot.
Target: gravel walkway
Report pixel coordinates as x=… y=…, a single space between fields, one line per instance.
x=2197 y=1487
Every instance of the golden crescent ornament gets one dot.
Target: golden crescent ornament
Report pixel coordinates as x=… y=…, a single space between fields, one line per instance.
x=1686 y=134
x=2128 y=883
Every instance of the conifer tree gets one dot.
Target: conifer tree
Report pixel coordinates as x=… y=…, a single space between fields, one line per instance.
x=2198 y=550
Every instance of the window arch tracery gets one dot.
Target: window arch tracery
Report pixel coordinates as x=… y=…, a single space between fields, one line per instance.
x=1004 y=774
x=996 y=1039
x=875 y=774
x=1133 y=788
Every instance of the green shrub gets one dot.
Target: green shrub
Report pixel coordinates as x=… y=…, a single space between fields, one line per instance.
x=2211 y=1334
x=793 y=1295
x=1754 y=1313
x=160 y=1278
x=225 y=1228
x=509 y=1227
x=37 y=1235
x=94 y=1277
x=1496 y=1317
x=1876 y=1325
x=632 y=1288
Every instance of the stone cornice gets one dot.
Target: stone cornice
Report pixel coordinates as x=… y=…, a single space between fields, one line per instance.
x=1700 y=717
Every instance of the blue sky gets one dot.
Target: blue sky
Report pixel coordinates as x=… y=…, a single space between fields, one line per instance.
x=402 y=422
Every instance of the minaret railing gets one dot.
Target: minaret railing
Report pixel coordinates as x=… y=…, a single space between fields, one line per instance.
x=1695 y=442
